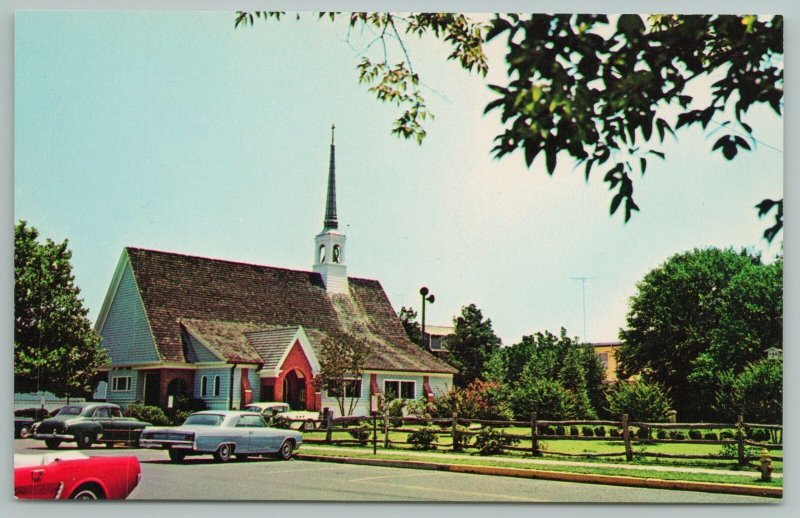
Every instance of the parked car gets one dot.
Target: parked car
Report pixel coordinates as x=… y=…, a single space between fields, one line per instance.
x=225 y=434
x=300 y=420
x=88 y=423
x=22 y=426
x=73 y=475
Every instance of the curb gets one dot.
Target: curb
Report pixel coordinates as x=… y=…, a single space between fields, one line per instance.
x=611 y=480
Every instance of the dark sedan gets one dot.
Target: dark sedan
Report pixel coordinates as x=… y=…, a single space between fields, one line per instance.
x=89 y=423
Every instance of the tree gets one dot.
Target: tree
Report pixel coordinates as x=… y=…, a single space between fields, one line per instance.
x=642 y=401
x=599 y=90
x=55 y=348
x=408 y=317
x=545 y=396
x=472 y=343
x=342 y=357
x=573 y=365
x=679 y=326
x=756 y=393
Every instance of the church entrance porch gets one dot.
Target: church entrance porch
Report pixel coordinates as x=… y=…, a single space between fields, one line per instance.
x=294 y=390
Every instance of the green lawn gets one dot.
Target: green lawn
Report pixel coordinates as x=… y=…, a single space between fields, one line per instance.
x=584 y=446
x=445 y=457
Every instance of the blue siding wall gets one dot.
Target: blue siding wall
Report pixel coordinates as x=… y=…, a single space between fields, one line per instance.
x=221 y=402
x=440 y=385
x=126 y=333
x=124 y=398
x=214 y=402
x=198 y=352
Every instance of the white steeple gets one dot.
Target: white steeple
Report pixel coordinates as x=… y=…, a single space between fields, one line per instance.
x=329 y=253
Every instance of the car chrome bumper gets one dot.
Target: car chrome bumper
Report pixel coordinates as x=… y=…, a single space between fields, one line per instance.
x=160 y=444
x=60 y=436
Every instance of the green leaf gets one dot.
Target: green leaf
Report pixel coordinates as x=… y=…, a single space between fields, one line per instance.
x=630 y=25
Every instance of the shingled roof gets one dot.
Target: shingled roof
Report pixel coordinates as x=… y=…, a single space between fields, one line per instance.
x=185 y=289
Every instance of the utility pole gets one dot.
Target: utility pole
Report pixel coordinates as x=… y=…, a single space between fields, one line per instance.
x=583 y=290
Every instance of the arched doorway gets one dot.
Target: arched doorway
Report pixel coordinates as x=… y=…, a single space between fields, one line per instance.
x=294 y=390
x=176 y=389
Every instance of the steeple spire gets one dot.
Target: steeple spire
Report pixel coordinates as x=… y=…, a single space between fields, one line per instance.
x=330 y=207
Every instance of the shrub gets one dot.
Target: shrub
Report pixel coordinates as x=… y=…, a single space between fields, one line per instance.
x=614 y=432
x=422 y=439
x=695 y=434
x=479 y=400
x=548 y=430
x=359 y=433
x=759 y=435
x=490 y=442
x=727 y=435
x=600 y=431
x=710 y=436
x=150 y=414
x=679 y=436
x=642 y=401
x=661 y=434
x=560 y=430
x=643 y=433
x=587 y=431
x=279 y=421
x=573 y=430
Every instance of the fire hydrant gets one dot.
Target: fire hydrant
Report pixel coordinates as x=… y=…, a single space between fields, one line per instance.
x=765 y=467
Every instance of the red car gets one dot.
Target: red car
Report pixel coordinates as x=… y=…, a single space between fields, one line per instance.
x=73 y=475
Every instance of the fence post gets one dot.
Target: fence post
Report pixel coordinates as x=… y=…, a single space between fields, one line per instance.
x=385 y=430
x=374 y=433
x=328 y=426
x=626 y=436
x=456 y=446
x=534 y=436
x=740 y=440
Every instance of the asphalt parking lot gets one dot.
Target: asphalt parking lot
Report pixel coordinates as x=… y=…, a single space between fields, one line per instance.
x=200 y=478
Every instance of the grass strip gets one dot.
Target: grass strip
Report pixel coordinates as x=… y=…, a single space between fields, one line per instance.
x=655 y=474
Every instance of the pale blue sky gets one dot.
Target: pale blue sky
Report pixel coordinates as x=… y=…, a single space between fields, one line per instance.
x=174 y=131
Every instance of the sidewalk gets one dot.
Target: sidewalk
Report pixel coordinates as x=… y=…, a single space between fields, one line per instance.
x=542 y=462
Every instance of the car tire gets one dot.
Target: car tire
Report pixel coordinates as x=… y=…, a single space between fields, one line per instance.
x=23 y=432
x=287 y=450
x=52 y=443
x=176 y=455
x=85 y=440
x=308 y=425
x=88 y=492
x=224 y=453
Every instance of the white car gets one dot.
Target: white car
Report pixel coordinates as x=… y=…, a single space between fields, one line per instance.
x=300 y=420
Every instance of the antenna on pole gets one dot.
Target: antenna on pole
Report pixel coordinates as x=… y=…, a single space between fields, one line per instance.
x=583 y=290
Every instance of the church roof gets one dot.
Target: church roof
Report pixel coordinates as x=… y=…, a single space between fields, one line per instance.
x=207 y=295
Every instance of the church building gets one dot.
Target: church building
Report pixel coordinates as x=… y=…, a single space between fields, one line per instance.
x=230 y=333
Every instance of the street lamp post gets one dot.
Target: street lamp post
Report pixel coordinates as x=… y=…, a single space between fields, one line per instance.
x=429 y=298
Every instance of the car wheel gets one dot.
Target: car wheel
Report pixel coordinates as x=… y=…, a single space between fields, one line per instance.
x=223 y=453
x=88 y=492
x=52 y=443
x=287 y=450
x=308 y=425
x=85 y=440
x=176 y=455
x=24 y=431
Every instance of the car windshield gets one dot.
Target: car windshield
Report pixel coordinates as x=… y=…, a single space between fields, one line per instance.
x=70 y=410
x=204 y=420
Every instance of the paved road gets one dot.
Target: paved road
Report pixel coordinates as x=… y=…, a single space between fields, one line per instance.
x=200 y=478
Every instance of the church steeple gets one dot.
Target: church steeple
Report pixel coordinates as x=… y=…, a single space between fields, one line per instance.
x=329 y=244
x=331 y=221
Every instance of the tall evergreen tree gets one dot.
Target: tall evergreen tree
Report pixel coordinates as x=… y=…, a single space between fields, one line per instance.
x=470 y=346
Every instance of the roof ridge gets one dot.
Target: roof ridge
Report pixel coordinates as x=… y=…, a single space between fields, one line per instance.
x=231 y=261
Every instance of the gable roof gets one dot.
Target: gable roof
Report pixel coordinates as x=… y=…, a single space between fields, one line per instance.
x=180 y=289
x=271 y=344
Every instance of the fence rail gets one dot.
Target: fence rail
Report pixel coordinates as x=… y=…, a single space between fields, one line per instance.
x=364 y=431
